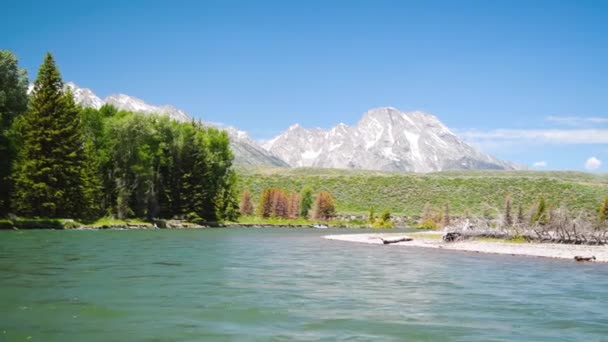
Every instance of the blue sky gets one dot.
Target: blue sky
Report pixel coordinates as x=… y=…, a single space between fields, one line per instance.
x=524 y=80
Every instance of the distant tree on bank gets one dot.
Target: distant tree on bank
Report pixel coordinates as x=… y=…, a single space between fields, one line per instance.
x=540 y=213
x=13 y=103
x=275 y=202
x=603 y=212
x=508 y=219
x=306 y=202
x=446 y=215
x=246 y=206
x=384 y=221
x=324 y=208
x=293 y=209
x=372 y=216
x=520 y=214
x=51 y=175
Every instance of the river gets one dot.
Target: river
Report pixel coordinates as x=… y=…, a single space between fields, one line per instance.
x=284 y=284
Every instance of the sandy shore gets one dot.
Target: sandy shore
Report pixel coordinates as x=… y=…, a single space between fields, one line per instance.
x=433 y=240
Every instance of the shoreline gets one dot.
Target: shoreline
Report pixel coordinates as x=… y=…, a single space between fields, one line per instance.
x=544 y=250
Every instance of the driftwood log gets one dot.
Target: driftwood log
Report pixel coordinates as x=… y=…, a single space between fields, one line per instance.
x=395 y=240
x=452 y=237
x=580 y=258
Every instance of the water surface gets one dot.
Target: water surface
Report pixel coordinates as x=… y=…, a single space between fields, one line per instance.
x=284 y=284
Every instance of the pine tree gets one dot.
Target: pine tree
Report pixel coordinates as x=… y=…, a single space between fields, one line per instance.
x=294 y=205
x=13 y=102
x=324 y=207
x=508 y=218
x=372 y=217
x=520 y=214
x=603 y=212
x=305 y=202
x=51 y=172
x=246 y=206
x=265 y=204
x=540 y=214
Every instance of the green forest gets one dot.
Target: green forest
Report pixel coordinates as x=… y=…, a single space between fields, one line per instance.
x=59 y=160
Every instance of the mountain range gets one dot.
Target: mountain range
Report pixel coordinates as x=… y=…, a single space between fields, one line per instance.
x=384 y=139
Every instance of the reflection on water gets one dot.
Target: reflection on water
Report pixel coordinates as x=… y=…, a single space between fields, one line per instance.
x=284 y=284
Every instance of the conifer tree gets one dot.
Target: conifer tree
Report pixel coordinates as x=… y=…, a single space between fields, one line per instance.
x=246 y=206
x=51 y=172
x=372 y=217
x=305 y=202
x=294 y=205
x=13 y=102
x=508 y=218
x=520 y=214
x=603 y=212
x=324 y=207
x=540 y=214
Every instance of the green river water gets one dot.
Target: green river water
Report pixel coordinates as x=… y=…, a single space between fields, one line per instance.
x=284 y=284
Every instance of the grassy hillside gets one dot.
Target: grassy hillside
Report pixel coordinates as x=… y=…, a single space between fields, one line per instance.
x=407 y=193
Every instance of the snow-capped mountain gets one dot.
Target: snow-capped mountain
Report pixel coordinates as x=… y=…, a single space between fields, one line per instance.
x=84 y=96
x=246 y=151
x=384 y=139
x=133 y=104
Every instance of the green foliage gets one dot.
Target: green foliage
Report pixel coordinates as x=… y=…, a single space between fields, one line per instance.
x=428 y=224
x=13 y=102
x=520 y=214
x=384 y=221
x=51 y=175
x=84 y=163
x=508 y=219
x=356 y=191
x=305 y=201
x=603 y=212
x=371 y=217
x=38 y=224
x=540 y=214
x=6 y=224
x=71 y=224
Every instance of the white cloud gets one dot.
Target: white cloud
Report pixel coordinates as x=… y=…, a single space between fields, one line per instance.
x=576 y=120
x=540 y=164
x=592 y=163
x=557 y=136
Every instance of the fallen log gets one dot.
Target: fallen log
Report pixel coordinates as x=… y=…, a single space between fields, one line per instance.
x=395 y=240
x=580 y=258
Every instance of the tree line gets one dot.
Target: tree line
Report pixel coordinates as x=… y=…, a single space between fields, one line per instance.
x=59 y=160
x=278 y=203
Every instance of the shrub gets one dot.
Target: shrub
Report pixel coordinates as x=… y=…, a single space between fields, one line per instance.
x=427 y=224
x=6 y=224
x=71 y=224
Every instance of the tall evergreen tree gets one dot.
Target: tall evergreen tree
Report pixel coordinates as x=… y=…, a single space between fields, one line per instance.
x=508 y=219
x=324 y=208
x=540 y=214
x=51 y=172
x=603 y=212
x=246 y=206
x=520 y=214
x=305 y=202
x=13 y=102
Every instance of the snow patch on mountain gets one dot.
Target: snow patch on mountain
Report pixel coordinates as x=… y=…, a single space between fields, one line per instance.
x=384 y=139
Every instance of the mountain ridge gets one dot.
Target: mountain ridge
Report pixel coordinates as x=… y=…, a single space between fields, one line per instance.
x=385 y=139
x=246 y=150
